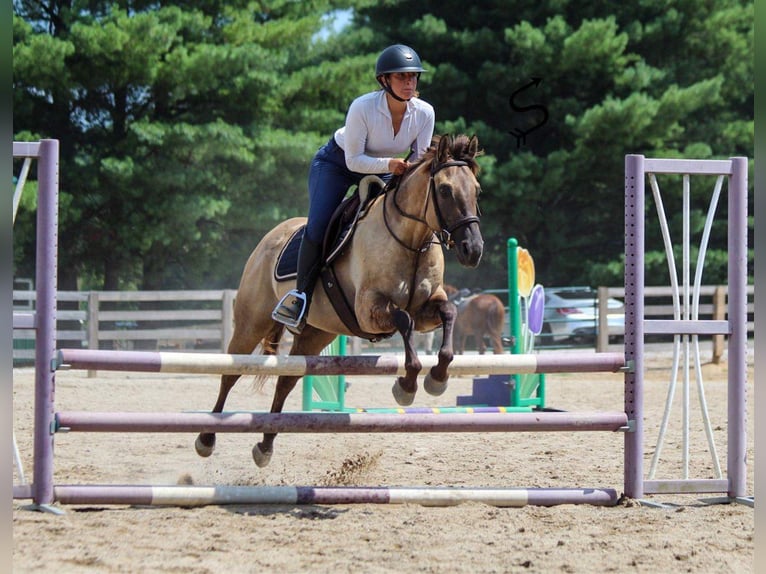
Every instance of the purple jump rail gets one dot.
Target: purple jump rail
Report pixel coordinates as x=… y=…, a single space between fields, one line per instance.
x=222 y=364
x=240 y=422
x=296 y=495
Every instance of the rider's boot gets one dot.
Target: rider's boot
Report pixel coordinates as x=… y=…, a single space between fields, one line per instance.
x=293 y=309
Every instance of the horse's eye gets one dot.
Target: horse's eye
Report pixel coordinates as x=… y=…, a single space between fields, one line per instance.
x=445 y=190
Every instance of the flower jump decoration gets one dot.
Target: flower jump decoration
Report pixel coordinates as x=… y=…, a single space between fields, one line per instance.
x=525 y=271
x=532 y=298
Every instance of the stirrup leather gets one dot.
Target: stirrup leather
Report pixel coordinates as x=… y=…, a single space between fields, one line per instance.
x=291 y=309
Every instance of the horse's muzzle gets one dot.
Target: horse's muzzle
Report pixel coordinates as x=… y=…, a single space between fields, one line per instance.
x=469 y=245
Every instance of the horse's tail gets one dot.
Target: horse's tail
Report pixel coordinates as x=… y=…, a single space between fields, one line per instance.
x=269 y=345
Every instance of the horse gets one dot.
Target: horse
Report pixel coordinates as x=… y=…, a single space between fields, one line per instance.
x=479 y=315
x=391 y=275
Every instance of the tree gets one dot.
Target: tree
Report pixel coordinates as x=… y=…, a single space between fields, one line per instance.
x=178 y=151
x=665 y=79
x=187 y=127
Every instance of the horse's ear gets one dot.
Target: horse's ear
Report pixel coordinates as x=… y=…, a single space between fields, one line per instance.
x=445 y=143
x=473 y=146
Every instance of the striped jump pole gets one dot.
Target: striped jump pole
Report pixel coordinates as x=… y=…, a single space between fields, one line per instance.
x=296 y=495
x=222 y=364
x=240 y=422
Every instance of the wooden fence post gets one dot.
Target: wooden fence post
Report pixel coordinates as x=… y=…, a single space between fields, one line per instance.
x=93 y=304
x=227 y=317
x=602 y=328
x=719 y=314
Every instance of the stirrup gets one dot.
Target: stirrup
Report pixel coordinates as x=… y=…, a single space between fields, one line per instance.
x=291 y=309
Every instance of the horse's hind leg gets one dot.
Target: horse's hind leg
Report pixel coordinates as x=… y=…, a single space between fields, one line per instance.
x=480 y=344
x=311 y=341
x=459 y=338
x=497 y=344
x=435 y=382
x=240 y=344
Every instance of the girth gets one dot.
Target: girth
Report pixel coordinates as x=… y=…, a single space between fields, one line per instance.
x=337 y=238
x=343 y=307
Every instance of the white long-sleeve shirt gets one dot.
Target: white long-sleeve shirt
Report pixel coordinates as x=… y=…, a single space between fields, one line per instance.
x=368 y=138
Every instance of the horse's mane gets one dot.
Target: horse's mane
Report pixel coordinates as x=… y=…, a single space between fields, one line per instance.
x=458 y=151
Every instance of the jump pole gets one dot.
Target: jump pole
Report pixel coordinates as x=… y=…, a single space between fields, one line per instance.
x=243 y=422
x=146 y=495
x=223 y=364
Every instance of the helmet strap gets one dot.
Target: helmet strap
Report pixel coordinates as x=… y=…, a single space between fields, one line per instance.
x=387 y=87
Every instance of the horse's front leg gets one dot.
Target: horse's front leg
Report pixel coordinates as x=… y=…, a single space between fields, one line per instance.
x=405 y=387
x=435 y=382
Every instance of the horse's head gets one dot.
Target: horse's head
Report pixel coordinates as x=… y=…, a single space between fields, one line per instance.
x=455 y=190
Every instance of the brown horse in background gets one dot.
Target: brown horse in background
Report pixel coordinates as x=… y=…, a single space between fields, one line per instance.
x=477 y=316
x=391 y=275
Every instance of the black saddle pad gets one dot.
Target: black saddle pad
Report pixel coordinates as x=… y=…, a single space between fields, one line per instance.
x=287 y=264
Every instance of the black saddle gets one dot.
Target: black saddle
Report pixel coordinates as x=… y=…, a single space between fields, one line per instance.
x=339 y=231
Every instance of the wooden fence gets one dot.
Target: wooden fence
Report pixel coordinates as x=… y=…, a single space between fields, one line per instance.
x=658 y=303
x=202 y=320
x=155 y=320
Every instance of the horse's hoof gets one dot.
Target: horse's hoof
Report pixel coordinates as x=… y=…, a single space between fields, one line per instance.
x=434 y=387
x=402 y=397
x=261 y=458
x=205 y=446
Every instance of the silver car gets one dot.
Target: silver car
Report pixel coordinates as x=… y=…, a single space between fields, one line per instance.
x=571 y=315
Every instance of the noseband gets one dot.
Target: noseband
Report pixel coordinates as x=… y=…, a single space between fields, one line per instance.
x=444 y=234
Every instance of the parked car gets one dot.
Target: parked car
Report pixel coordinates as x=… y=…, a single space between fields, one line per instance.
x=571 y=315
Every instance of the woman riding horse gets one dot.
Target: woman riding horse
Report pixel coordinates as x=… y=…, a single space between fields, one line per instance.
x=379 y=126
x=391 y=276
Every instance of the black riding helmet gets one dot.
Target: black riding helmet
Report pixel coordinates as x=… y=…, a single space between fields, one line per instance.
x=396 y=58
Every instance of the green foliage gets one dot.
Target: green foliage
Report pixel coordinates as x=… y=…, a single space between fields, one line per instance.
x=187 y=128
x=178 y=136
x=654 y=78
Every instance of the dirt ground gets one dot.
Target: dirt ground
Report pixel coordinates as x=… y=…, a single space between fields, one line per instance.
x=687 y=535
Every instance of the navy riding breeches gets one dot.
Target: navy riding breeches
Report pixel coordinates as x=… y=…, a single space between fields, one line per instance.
x=329 y=181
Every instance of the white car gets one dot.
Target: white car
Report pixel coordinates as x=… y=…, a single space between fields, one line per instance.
x=571 y=315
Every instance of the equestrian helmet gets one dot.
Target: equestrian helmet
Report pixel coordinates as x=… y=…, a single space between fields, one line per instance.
x=398 y=58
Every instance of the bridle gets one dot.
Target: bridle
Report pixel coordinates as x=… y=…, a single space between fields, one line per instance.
x=445 y=231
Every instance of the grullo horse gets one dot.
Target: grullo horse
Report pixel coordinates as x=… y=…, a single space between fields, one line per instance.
x=391 y=275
